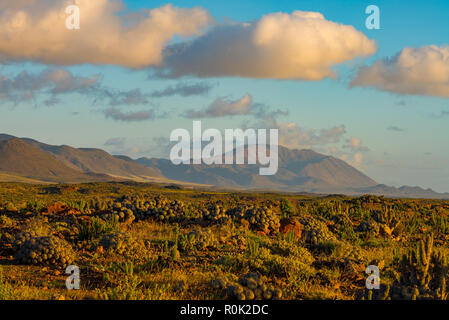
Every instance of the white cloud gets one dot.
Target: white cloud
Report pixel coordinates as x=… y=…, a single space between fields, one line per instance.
x=54 y=81
x=222 y=107
x=294 y=136
x=300 y=45
x=130 y=116
x=415 y=71
x=184 y=90
x=355 y=144
x=355 y=160
x=36 y=31
x=118 y=142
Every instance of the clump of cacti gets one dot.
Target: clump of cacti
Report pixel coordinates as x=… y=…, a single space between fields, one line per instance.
x=123 y=244
x=423 y=274
x=21 y=237
x=216 y=214
x=388 y=220
x=44 y=250
x=120 y=213
x=263 y=219
x=376 y=294
x=316 y=231
x=97 y=204
x=368 y=227
x=197 y=240
x=251 y=286
x=160 y=209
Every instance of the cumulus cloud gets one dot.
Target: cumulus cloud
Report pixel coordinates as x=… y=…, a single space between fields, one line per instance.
x=36 y=31
x=119 y=97
x=116 y=142
x=130 y=116
x=294 y=136
x=414 y=71
x=222 y=107
x=326 y=140
x=355 y=159
x=225 y=107
x=54 y=81
x=184 y=90
x=300 y=45
x=158 y=147
x=136 y=97
x=355 y=144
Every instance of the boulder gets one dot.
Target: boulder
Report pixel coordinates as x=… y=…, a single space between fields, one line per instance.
x=289 y=224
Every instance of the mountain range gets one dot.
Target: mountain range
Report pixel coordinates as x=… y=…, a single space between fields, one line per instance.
x=31 y=161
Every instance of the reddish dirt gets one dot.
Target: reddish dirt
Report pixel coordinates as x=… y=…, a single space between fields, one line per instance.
x=289 y=224
x=58 y=208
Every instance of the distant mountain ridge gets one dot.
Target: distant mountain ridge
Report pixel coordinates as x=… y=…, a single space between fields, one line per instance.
x=28 y=160
x=298 y=169
x=95 y=160
x=37 y=160
x=19 y=158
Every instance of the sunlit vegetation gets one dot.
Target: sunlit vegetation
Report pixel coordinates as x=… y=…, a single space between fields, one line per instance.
x=142 y=241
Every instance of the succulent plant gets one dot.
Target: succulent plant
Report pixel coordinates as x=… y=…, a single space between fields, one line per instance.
x=201 y=239
x=371 y=227
x=251 y=286
x=263 y=219
x=316 y=231
x=123 y=244
x=423 y=274
x=22 y=237
x=388 y=220
x=120 y=213
x=160 y=208
x=44 y=250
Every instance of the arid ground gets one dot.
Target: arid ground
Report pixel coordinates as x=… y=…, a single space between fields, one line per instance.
x=143 y=241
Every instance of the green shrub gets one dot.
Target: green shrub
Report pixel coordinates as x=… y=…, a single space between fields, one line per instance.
x=253 y=249
x=439 y=224
x=287 y=208
x=95 y=228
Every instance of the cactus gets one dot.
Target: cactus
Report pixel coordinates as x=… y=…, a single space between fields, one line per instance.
x=388 y=220
x=381 y=294
x=251 y=286
x=424 y=274
x=45 y=250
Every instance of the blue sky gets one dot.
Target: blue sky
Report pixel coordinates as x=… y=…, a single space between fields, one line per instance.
x=404 y=138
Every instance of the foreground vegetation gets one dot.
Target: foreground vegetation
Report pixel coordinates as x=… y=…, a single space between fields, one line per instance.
x=142 y=241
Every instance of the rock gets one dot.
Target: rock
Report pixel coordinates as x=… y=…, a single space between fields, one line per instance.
x=289 y=224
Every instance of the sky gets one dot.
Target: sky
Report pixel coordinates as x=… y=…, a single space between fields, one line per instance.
x=136 y=70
